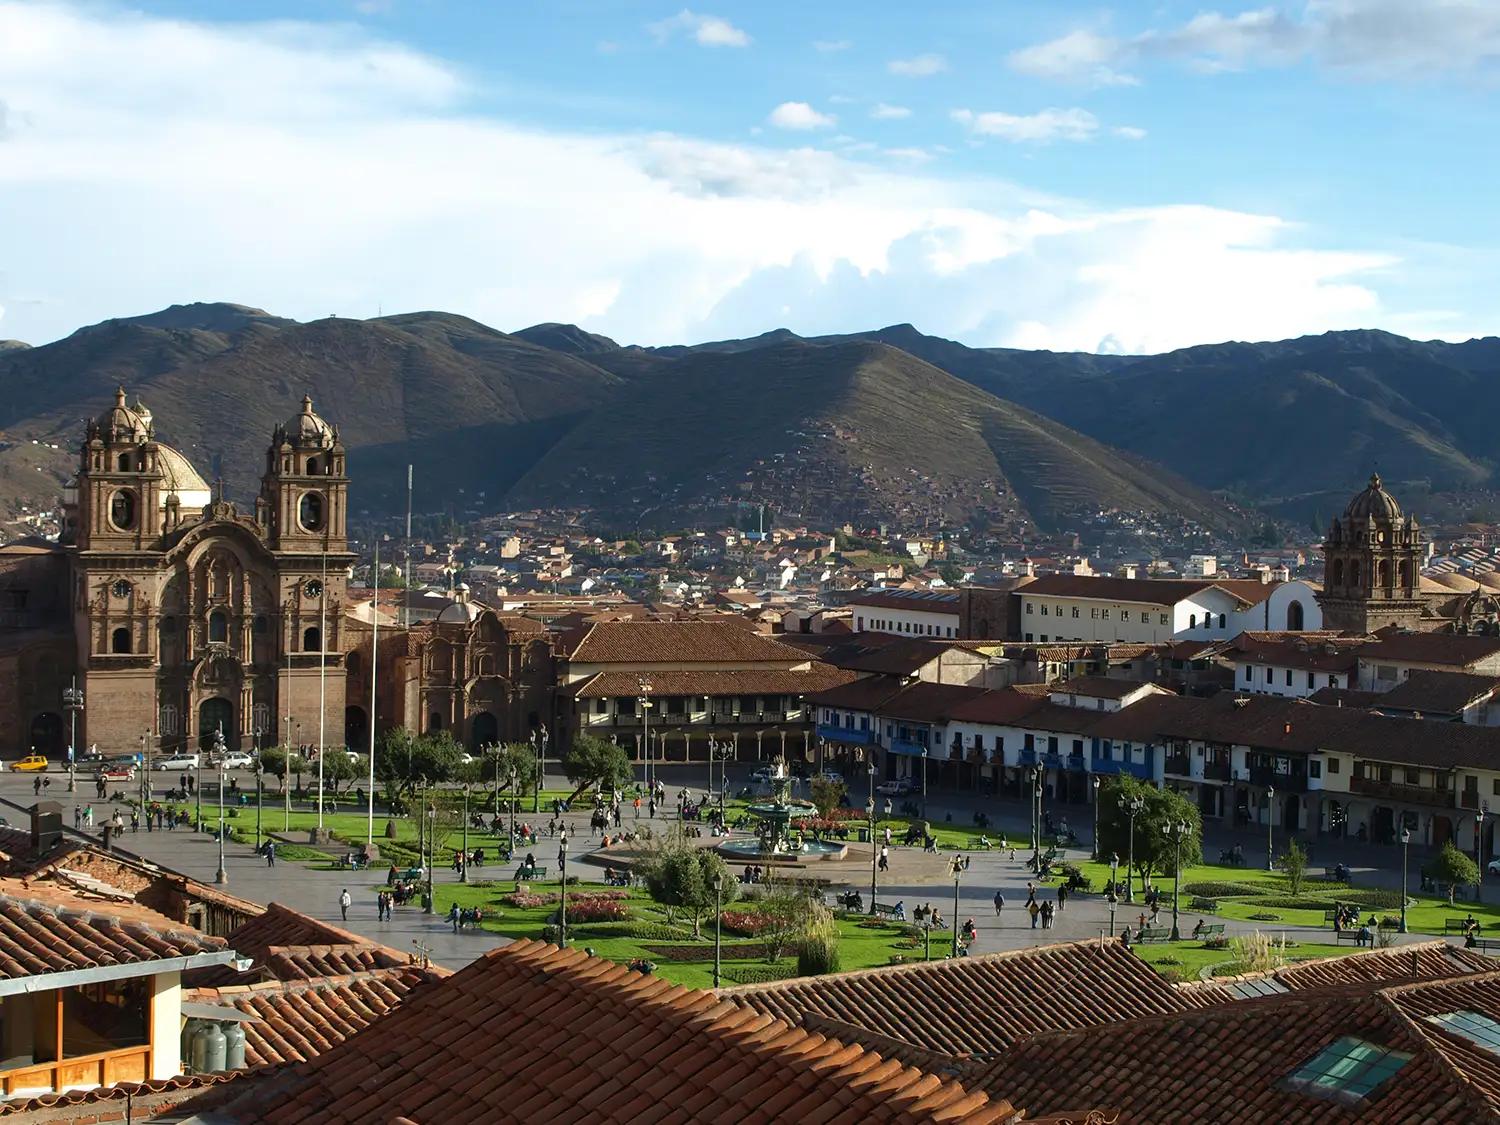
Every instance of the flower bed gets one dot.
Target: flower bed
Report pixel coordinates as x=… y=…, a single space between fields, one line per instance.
x=750 y=923
x=701 y=951
x=527 y=900
x=596 y=908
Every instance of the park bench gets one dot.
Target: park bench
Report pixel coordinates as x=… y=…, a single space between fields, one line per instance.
x=885 y=910
x=410 y=875
x=1351 y=936
x=1216 y=928
x=1487 y=944
x=1205 y=906
x=539 y=871
x=1455 y=925
x=1147 y=934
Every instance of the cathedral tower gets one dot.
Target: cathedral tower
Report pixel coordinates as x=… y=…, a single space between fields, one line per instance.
x=1372 y=561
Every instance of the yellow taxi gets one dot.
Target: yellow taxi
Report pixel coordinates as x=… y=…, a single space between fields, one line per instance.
x=31 y=762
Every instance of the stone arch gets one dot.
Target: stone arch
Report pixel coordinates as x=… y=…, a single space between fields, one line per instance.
x=1336 y=576
x=1295 y=617
x=46 y=734
x=119 y=641
x=356 y=727
x=484 y=730
x=216 y=713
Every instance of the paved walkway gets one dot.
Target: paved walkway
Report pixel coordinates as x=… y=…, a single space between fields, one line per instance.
x=317 y=892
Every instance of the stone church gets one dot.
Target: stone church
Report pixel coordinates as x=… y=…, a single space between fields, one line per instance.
x=178 y=614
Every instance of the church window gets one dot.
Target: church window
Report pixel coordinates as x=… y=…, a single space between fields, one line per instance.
x=435 y=722
x=354 y=662
x=312 y=640
x=1295 y=617
x=1354 y=572
x=124 y=462
x=312 y=466
x=1223 y=620
x=1385 y=572
x=119 y=641
x=310 y=511
x=486 y=665
x=1192 y=621
x=1338 y=572
x=168 y=719
x=122 y=509
x=218 y=626
x=260 y=625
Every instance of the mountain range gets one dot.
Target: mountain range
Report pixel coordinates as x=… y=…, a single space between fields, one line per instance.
x=890 y=424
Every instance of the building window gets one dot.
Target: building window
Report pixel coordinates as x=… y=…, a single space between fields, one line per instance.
x=1314 y=768
x=1094 y=612
x=1223 y=620
x=1044 y=609
x=1333 y=681
x=167 y=720
x=1309 y=681
x=218 y=627
x=1288 y=677
x=1333 y=765
x=1164 y=619
x=119 y=642
x=1414 y=777
x=1192 y=621
x=434 y=722
x=310 y=512
x=1347 y=1069
x=1106 y=614
x=105 y=1016
x=1075 y=611
x=312 y=640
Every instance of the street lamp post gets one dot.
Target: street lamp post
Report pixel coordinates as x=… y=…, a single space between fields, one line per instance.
x=286 y=776
x=1131 y=808
x=874 y=847
x=562 y=913
x=511 y=801
x=718 y=923
x=1114 y=871
x=644 y=699
x=145 y=773
x=1405 y=844
x=1097 y=781
x=72 y=703
x=1180 y=832
x=431 y=853
x=1484 y=811
x=958 y=870
x=1114 y=900
x=1270 y=827
x=463 y=868
x=1038 y=774
x=924 y=782
x=260 y=773
x=198 y=792
x=220 y=876
x=541 y=768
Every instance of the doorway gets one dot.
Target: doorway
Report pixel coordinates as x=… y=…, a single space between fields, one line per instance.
x=213 y=715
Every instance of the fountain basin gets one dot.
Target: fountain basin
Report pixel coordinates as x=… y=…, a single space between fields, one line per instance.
x=752 y=851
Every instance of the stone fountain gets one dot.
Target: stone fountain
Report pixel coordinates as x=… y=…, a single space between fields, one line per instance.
x=773 y=836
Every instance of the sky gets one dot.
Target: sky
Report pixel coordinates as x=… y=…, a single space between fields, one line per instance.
x=1132 y=177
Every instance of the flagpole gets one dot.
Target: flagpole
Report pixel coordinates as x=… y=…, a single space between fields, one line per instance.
x=374 y=664
x=322 y=679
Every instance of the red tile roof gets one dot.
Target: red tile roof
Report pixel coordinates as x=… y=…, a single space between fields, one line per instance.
x=1432 y=692
x=859 y=695
x=1427 y=960
x=1149 y=591
x=286 y=944
x=681 y=642
x=296 y=1020
x=750 y=681
x=977 y=1006
x=46 y=929
x=534 y=1033
x=1432 y=648
x=1231 y=1062
x=928 y=702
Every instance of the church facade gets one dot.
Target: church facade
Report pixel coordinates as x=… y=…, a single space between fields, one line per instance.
x=188 y=616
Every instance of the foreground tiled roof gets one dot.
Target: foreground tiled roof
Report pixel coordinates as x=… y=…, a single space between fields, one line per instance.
x=539 y=1034
x=286 y=944
x=680 y=642
x=44 y=929
x=977 y=1006
x=84 y=1105
x=1427 y=960
x=296 y=1020
x=1231 y=1062
x=750 y=681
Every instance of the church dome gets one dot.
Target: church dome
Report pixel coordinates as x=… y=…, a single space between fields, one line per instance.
x=122 y=422
x=179 y=478
x=1373 y=503
x=308 y=429
x=462 y=611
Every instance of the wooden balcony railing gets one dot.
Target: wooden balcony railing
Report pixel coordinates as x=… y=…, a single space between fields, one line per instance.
x=129 y=1064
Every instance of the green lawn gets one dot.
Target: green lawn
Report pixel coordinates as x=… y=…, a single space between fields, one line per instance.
x=1267 y=893
x=863 y=943
x=1184 y=960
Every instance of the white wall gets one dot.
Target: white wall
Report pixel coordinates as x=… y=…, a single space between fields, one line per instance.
x=166 y=1025
x=905 y=622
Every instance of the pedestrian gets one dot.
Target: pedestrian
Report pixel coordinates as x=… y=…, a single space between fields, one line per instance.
x=1030 y=893
x=344 y=901
x=453 y=916
x=999 y=903
x=88 y=816
x=135 y=820
x=885 y=858
x=1034 y=910
x=36 y=786
x=1062 y=895
x=77 y=816
x=270 y=853
x=887 y=835
x=1141 y=920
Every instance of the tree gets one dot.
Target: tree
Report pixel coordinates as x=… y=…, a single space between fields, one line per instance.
x=1293 y=864
x=273 y=760
x=950 y=573
x=593 y=761
x=680 y=875
x=337 y=767
x=826 y=794
x=786 y=906
x=1453 y=867
x=403 y=761
x=1155 y=843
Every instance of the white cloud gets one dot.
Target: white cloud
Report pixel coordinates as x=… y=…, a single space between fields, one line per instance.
x=1129 y=132
x=800 y=115
x=1370 y=39
x=827 y=46
x=919 y=66
x=1082 y=56
x=707 y=31
x=910 y=155
x=884 y=112
x=1042 y=127
x=310 y=170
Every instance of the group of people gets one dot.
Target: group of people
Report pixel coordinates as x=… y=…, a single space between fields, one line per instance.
x=752 y=873
x=461 y=917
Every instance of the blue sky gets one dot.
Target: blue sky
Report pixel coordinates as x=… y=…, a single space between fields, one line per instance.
x=1135 y=177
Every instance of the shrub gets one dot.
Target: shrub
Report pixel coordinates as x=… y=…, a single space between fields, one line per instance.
x=1291 y=902
x=639 y=931
x=1374 y=897
x=1258 y=952
x=1216 y=889
x=1264 y=917
x=1218 y=941
x=818 y=951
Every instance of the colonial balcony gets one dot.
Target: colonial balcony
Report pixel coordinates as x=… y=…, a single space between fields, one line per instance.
x=129 y=1064
x=1180 y=765
x=1108 y=766
x=1285 y=782
x=845 y=734
x=1395 y=791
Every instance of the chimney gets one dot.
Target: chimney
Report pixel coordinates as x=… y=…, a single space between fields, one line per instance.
x=46 y=826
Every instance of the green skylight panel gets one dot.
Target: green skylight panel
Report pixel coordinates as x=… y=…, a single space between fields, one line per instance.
x=1347 y=1069
x=1476 y=1028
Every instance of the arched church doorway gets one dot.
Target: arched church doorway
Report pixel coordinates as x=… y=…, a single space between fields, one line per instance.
x=46 y=736
x=484 y=730
x=356 y=728
x=215 y=714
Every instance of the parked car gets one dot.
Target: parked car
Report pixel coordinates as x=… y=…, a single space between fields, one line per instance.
x=180 y=762
x=31 y=763
x=1493 y=867
x=832 y=776
x=765 y=775
x=237 y=760
x=899 y=787
x=115 y=772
